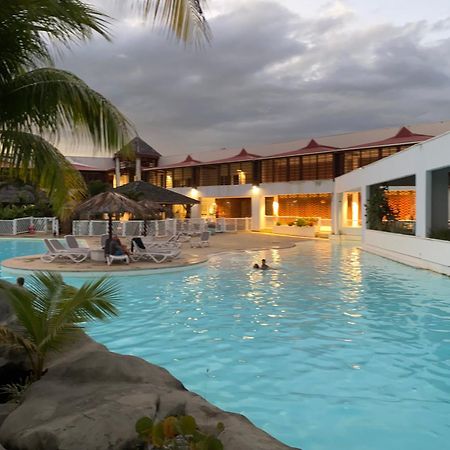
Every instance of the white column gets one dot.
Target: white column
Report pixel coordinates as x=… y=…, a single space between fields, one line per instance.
x=423 y=203
x=355 y=209
x=138 y=175
x=258 y=219
x=117 y=161
x=364 y=196
x=344 y=210
x=336 y=199
x=196 y=210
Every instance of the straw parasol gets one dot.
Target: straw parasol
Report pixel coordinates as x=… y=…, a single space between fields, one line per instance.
x=142 y=190
x=151 y=210
x=110 y=203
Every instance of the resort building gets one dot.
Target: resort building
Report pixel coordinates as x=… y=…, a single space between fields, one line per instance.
x=276 y=184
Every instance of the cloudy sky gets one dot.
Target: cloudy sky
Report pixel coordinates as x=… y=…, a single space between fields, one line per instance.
x=276 y=70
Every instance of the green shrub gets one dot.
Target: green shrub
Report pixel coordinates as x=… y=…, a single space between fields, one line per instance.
x=306 y=221
x=442 y=234
x=177 y=433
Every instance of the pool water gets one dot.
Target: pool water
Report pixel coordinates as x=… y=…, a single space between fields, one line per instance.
x=335 y=349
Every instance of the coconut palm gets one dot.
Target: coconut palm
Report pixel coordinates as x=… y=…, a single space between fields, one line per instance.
x=51 y=314
x=39 y=105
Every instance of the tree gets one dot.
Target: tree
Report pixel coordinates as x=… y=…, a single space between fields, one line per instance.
x=37 y=104
x=378 y=211
x=40 y=104
x=51 y=314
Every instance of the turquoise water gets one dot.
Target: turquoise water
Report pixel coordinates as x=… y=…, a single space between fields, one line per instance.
x=335 y=349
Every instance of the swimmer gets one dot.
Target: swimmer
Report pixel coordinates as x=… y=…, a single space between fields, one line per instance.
x=256 y=266
x=264 y=266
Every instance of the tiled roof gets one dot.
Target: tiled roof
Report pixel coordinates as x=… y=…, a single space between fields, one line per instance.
x=141 y=148
x=403 y=136
x=188 y=162
x=311 y=148
x=243 y=155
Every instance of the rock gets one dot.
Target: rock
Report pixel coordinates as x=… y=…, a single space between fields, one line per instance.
x=91 y=398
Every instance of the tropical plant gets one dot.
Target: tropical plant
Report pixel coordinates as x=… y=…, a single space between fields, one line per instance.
x=306 y=221
x=378 y=211
x=39 y=105
x=177 y=433
x=51 y=314
x=442 y=234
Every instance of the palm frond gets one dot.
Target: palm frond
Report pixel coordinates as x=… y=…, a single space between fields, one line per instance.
x=14 y=339
x=28 y=27
x=56 y=101
x=184 y=18
x=33 y=159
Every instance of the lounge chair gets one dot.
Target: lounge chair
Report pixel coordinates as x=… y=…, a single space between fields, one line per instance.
x=56 y=250
x=156 y=254
x=111 y=258
x=72 y=243
x=201 y=241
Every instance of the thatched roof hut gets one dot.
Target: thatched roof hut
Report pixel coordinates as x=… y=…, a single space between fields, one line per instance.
x=140 y=190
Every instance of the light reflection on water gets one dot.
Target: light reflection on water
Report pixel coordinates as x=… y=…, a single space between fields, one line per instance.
x=334 y=349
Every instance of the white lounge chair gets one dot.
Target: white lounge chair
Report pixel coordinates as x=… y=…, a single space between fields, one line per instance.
x=111 y=258
x=157 y=254
x=201 y=241
x=72 y=243
x=56 y=250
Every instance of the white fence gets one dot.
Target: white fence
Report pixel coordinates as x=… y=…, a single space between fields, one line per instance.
x=29 y=224
x=165 y=227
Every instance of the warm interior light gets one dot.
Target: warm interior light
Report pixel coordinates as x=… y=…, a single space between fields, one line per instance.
x=355 y=209
x=276 y=208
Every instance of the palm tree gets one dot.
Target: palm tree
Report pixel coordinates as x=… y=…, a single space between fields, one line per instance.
x=51 y=314
x=41 y=104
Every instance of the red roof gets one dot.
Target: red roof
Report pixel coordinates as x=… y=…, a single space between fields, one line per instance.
x=188 y=162
x=312 y=147
x=243 y=155
x=403 y=136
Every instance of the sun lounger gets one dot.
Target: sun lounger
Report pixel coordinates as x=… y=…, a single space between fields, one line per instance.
x=111 y=258
x=56 y=250
x=201 y=241
x=157 y=254
x=72 y=243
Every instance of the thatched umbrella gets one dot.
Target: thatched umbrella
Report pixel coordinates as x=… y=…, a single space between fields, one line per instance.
x=152 y=209
x=141 y=190
x=110 y=203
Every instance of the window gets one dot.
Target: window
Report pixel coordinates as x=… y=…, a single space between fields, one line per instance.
x=178 y=177
x=209 y=175
x=352 y=160
x=267 y=171
x=369 y=156
x=224 y=174
x=309 y=167
x=324 y=166
x=294 y=168
x=280 y=169
x=269 y=206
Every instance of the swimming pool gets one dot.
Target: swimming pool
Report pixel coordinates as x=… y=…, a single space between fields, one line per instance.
x=335 y=349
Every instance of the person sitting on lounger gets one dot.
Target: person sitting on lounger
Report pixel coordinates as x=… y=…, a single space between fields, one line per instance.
x=115 y=247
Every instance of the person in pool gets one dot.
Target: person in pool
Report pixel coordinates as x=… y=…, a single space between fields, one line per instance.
x=256 y=266
x=264 y=266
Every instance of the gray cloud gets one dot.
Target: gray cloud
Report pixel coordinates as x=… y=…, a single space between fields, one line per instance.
x=269 y=76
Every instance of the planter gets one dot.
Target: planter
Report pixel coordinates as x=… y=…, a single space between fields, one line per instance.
x=296 y=231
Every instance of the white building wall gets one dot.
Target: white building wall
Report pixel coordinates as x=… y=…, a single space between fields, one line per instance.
x=422 y=161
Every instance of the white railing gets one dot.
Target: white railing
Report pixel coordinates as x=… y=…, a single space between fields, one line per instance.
x=166 y=227
x=29 y=225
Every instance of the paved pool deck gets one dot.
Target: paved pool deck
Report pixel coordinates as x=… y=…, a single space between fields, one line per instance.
x=190 y=257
